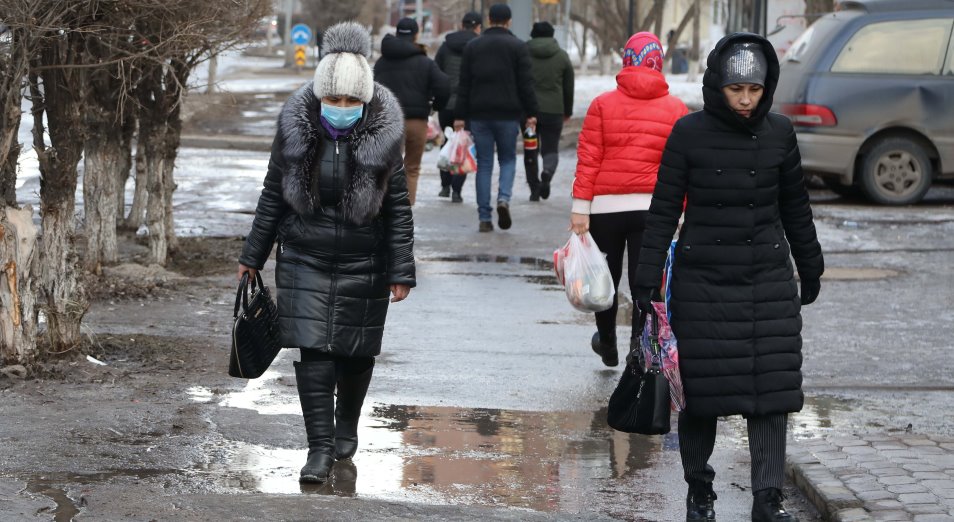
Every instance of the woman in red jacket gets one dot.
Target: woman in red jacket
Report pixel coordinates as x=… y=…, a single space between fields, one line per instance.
x=621 y=145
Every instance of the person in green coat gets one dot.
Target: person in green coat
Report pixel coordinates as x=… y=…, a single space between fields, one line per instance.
x=553 y=84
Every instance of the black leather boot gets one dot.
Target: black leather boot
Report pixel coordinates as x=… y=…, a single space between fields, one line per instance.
x=545 y=178
x=606 y=349
x=767 y=507
x=700 y=502
x=316 y=389
x=351 y=392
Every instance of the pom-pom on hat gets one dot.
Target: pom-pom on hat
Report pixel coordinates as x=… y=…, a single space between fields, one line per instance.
x=343 y=69
x=643 y=50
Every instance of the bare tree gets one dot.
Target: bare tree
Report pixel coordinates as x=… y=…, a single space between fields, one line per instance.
x=56 y=87
x=608 y=20
x=321 y=14
x=176 y=36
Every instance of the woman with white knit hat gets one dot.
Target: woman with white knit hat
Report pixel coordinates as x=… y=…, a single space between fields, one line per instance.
x=336 y=200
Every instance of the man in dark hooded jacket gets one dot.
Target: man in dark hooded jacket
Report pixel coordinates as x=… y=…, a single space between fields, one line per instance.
x=735 y=305
x=448 y=59
x=418 y=84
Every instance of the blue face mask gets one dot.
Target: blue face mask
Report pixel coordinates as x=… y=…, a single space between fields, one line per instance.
x=341 y=117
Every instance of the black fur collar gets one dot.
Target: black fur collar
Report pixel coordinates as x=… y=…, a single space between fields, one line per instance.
x=376 y=148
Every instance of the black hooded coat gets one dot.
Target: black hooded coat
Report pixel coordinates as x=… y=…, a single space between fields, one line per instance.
x=341 y=215
x=413 y=77
x=735 y=305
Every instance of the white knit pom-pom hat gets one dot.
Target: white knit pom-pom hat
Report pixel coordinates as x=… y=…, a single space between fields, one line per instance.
x=343 y=69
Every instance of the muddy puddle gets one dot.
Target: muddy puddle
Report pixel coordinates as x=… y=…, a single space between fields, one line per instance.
x=541 y=461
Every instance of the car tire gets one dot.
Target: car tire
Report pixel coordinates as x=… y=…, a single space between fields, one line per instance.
x=845 y=191
x=896 y=171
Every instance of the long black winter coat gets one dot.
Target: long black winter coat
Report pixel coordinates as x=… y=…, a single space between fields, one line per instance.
x=414 y=78
x=341 y=215
x=735 y=305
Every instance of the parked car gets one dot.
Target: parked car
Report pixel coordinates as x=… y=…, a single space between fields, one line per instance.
x=870 y=89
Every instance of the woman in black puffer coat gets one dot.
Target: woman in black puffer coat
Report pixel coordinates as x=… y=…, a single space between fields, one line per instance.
x=336 y=199
x=735 y=303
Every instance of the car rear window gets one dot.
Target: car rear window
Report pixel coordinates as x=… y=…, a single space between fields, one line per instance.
x=897 y=47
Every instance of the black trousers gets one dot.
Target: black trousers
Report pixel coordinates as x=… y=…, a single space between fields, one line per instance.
x=454 y=181
x=343 y=365
x=549 y=129
x=766 y=446
x=617 y=233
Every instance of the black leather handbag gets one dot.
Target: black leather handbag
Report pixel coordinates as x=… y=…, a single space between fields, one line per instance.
x=256 y=338
x=640 y=403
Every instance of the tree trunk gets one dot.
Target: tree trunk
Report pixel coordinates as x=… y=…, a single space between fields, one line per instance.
x=137 y=213
x=18 y=242
x=153 y=175
x=103 y=161
x=125 y=168
x=61 y=293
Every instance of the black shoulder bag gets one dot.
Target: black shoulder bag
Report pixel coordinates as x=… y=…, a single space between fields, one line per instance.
x=256 y=338
x=640 y=403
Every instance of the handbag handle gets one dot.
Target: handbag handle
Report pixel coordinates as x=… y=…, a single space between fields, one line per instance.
x=653 y=334
x=241 y=297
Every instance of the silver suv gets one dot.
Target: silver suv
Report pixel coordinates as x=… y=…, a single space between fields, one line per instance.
x=870 y=89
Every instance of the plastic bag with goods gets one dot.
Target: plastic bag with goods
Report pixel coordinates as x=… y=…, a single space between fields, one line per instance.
x=582 y=269
x=668 y=353
x=458 y=155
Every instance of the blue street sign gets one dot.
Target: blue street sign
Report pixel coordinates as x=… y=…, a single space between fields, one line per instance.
x=301 y=34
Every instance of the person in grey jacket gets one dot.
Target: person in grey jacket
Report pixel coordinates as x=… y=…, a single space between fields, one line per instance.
x=335 y=197
x=553 y=85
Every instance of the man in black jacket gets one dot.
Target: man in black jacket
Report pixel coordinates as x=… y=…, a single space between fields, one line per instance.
x=417 y=82
x=448 y=58
x=495 y=92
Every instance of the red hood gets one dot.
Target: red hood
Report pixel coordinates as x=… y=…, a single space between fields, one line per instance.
x=642 y=83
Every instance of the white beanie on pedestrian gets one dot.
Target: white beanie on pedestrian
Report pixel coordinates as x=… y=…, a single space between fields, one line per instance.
x=343 y=69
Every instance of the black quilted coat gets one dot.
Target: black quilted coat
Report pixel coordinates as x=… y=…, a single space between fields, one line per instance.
x=340 y=213
x=735 y=305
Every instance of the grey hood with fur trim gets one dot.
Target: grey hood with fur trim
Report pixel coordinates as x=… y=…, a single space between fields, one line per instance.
x=375 y=142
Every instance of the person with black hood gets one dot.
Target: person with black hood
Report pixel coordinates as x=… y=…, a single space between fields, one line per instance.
x=494 y=95
x=335 y=198
x=734 y=300
x=553 y=85
x=418 y=84
x=448 y=59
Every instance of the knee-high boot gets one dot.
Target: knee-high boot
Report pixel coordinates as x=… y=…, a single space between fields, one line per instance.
x=316 y=387
x=352 y=388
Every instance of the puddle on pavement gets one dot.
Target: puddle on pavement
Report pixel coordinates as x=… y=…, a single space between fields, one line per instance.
x=50 y=485
x=819 y=416
x=543 y=461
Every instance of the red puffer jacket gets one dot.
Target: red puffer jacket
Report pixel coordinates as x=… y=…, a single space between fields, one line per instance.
x=624 y=134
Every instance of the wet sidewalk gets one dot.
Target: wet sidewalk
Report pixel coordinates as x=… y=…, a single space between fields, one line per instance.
x=853 y=478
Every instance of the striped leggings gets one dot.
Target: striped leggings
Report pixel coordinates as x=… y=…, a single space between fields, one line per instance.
x=766 y=446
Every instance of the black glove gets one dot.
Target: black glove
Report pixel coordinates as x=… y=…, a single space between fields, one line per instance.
x=810 y=290
x=644 y=297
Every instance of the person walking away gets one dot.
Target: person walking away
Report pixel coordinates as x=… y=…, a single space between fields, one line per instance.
x=619 y=151
x=448 y=59
x=419 y=85
x=335 y=198
x=734 y=302
x=553 y=86
x=495 y=92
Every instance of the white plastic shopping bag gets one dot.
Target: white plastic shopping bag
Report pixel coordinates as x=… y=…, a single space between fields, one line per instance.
x=582 y=269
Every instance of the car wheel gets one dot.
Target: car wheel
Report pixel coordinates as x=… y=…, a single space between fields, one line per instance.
x=896 y=171
x=845 y=191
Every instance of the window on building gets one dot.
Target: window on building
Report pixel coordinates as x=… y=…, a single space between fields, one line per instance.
x=899 y=47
